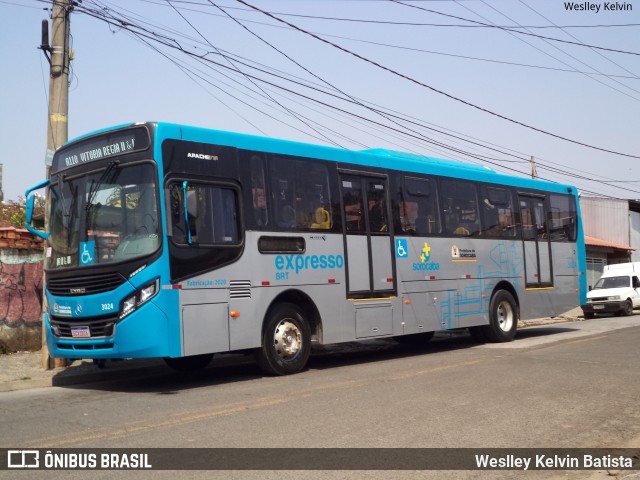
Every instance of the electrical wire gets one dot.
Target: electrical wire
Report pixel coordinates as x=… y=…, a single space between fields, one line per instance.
x=441 y=92
x=175 y=44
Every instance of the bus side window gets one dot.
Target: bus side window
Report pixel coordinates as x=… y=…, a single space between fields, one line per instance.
x=460 y=208
x=312 y=195
x=352 y=200
x=418 y=207
x=563 y=218
x=497 y=213
x=300 y=194
x=211 y=215
x=377 y=199
x=258 y=191
x=528 y=224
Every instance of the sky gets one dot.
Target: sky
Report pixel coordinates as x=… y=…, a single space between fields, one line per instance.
x=451 y=79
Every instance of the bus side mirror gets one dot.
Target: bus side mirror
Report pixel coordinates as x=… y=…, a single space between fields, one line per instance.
x=29 y=210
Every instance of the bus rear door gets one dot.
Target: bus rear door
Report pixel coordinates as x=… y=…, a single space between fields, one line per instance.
x=535 y=236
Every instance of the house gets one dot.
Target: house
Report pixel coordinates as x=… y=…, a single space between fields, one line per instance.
x=612 y=233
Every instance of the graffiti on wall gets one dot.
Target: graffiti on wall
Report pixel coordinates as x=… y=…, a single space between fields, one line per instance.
x=20 y=287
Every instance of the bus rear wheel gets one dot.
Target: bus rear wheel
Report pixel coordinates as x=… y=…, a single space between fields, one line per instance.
x=503 y=318
x=286 y=341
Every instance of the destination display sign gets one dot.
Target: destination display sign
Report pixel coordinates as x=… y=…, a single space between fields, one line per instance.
x=101 y=147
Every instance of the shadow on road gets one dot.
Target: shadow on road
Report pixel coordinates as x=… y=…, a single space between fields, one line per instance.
x=229 y=368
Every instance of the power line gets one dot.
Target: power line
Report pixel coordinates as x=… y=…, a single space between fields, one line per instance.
x=577 y=39
x=418 y=24
x=573 y=57
x=514 y=30
x=172 y=43
x=452 y=97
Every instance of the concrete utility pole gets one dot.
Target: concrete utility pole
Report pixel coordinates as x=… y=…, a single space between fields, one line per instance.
x=532 y=164
x=57 y=124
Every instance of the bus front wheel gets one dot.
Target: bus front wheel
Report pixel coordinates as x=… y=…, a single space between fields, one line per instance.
x=286 y=341
x=503 y=318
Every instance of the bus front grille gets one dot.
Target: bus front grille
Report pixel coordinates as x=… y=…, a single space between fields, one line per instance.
x=84 y=285
x=99 y=327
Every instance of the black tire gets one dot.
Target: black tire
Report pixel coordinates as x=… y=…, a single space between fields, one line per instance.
x=503 y=318
x=628 y=308
x=286 y=341
x=189 y=364
x=589 y=315
x=415 y=339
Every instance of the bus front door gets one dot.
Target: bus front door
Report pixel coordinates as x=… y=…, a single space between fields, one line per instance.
x=368 y=247
x=535 y=236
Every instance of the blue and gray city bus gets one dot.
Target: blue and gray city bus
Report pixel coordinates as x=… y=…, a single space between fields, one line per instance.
x=180 y=242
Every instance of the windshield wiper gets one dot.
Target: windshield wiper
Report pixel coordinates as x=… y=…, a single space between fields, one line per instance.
x=95 y=186
x=65 y=212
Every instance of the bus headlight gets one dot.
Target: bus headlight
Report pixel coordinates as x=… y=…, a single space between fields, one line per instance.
x=139 y=298
x=148 y=292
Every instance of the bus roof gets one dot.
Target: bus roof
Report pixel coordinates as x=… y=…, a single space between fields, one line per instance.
x=381 y=158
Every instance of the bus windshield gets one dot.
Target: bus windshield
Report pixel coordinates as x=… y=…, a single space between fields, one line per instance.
x=105 y=216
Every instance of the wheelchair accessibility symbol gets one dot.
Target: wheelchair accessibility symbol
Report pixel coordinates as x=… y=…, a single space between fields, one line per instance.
x=87 y=250
x=402 y=250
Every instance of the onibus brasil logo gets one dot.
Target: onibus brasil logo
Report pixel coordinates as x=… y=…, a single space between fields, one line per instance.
x=425 y=263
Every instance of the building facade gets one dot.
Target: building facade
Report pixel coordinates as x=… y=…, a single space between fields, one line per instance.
x=612 y=233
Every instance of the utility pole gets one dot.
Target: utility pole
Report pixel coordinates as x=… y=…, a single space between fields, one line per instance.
x=532 y=165
x=57 y=125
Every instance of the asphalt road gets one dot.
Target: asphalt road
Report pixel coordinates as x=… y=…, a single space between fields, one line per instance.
x=571 y=385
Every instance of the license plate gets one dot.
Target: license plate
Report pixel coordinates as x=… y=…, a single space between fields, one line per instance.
x=80 y=332
x=598 y=307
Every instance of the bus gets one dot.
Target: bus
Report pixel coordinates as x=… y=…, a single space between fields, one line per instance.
x=179 y=242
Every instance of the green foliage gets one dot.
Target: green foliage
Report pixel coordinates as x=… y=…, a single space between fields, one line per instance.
x=18 y=218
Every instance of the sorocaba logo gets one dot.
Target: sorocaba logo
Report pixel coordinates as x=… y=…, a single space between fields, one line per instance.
x=425 y=264
x=426 y=253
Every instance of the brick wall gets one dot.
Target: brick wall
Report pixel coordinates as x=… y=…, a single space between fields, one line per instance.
x=21 y=264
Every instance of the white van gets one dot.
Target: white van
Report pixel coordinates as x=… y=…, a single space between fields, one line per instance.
x=617 y=291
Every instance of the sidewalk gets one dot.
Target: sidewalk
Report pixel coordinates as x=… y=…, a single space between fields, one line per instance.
x=23 y=370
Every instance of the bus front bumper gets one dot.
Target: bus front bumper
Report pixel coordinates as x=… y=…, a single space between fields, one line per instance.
x=142 y=334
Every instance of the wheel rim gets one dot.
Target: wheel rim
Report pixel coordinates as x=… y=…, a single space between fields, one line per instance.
x=629 y=308
x=505 y=316
x=287 y=339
